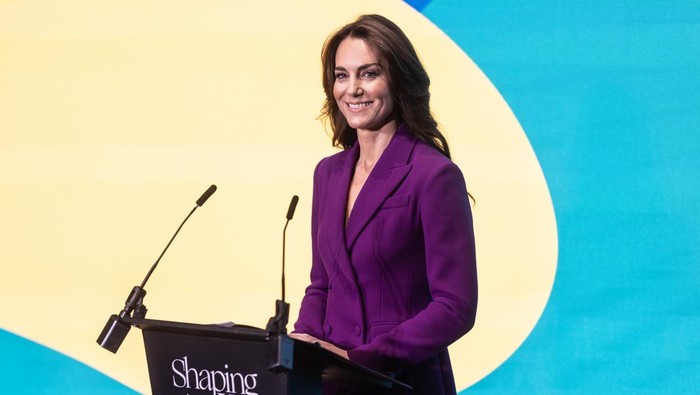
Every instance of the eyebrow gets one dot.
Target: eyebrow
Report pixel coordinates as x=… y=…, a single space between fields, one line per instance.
x=362 y=67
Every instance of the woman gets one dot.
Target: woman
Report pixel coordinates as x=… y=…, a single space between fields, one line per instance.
x=393 y=277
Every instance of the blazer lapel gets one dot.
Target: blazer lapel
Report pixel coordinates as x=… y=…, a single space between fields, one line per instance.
x=338 y=187
x=390 y=170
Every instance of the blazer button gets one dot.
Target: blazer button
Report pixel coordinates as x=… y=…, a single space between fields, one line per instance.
x=358 y=332
x=327 y=329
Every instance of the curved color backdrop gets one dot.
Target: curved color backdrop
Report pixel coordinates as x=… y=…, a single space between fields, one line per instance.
x=114 y=118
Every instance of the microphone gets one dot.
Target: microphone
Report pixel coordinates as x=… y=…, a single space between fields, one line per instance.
x=278 y=323
x=292 y=207
x=202 y=199
x=116 y=329
x=290 y=215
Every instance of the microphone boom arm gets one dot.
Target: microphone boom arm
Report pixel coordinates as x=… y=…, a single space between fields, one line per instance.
x=115 y=330
x=278 y=323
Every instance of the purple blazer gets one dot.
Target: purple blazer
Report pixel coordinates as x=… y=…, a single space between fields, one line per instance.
x=397 y=284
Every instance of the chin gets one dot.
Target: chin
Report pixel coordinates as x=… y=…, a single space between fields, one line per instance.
x=361 y=124
x=357 y=125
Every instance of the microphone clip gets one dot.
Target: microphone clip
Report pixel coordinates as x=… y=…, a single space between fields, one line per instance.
x=278 y=323
x=116 y=329
x=134 y=303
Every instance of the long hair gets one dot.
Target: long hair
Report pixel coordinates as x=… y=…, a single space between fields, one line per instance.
x=408 y=82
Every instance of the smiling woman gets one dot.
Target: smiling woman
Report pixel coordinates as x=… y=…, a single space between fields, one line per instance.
x=393 y=276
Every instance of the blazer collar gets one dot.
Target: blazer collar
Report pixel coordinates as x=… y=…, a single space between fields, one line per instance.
x=389 y=171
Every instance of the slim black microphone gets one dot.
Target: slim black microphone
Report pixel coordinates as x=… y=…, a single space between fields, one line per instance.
x=290 y=215
x=202 y=199
x=292 y=207
x=115 y=330
x=278 y=323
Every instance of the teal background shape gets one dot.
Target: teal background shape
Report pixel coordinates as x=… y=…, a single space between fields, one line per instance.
x=608 y=94
x=30 y=368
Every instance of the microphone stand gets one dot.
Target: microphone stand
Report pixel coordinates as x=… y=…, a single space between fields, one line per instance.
x=278 y=322
x=115 y=330
x=281 y=347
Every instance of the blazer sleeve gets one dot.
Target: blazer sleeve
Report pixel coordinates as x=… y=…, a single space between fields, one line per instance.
x=313 y=305
x=450 y=261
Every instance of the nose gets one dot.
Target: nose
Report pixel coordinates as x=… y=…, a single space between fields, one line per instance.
x=356 y=87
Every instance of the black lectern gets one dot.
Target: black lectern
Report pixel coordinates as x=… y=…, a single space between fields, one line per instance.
x=218 y=360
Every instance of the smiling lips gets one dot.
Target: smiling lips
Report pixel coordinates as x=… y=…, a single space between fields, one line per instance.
x=359 y=106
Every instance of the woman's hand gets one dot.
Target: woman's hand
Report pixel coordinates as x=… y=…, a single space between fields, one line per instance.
x=324 y=344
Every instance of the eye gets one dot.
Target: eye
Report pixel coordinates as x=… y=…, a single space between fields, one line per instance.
x=370 y=74
x=340 y=75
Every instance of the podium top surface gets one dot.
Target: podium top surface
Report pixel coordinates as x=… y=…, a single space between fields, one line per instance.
x=235 y=331
x=331 y=364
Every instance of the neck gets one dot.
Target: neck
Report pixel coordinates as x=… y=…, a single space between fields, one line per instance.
x=373 y=143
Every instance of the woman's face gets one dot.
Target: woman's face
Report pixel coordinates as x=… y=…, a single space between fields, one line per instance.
x=361 y=87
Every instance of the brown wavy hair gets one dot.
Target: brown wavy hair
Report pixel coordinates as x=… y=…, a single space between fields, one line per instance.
x=408 y=82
